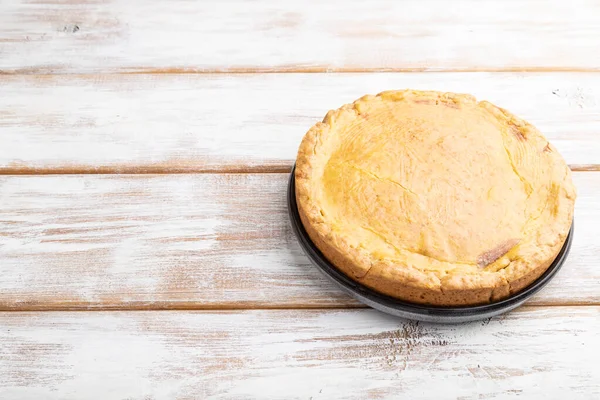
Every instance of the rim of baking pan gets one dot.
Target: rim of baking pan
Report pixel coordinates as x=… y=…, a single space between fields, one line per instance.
x=412 y=310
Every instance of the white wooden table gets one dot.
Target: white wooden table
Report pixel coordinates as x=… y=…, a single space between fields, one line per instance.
x=145 y=251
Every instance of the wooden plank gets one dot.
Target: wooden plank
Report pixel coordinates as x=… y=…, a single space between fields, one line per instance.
x=58 y=36
x=298 y=354
x=185 y=123
x=193 y=241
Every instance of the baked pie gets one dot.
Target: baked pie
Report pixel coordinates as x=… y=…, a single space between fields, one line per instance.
x=434 y=198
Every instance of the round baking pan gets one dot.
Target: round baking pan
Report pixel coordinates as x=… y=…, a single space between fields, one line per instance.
x=404 y=309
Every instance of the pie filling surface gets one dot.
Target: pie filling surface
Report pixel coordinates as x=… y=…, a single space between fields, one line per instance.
x=434 y=197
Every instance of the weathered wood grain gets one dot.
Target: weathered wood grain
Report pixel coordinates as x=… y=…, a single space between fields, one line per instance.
x=193 y=241
x=298 y=354
x=102 y=87
x=185 y=123
x=58 y=36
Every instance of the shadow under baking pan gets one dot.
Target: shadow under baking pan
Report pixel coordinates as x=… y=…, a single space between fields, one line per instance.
x=393 y=306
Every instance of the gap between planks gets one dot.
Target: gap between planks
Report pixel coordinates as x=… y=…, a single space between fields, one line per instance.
x=153 y=169
x=164 y=169
x=292 y=69
x=224 y=307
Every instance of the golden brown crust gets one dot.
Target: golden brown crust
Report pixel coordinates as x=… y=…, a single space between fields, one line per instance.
x=418 y=276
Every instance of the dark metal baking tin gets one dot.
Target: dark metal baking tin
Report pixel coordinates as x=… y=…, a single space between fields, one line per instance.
x=390 y=305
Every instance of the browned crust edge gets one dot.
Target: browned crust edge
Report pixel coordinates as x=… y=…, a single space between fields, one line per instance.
x=408 y=283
